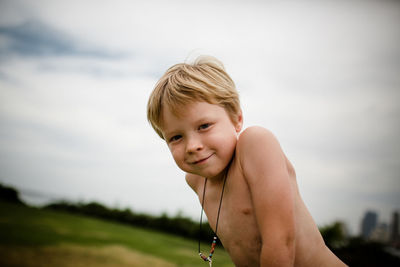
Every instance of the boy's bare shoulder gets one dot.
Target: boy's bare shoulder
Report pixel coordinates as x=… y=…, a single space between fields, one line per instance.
x=254 y=135
x=259 y=150
x=193 y=180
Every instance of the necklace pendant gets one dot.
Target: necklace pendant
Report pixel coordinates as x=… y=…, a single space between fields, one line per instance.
x=209 y=258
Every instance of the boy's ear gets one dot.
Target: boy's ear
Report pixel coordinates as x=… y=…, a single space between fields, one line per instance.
x=239 y=121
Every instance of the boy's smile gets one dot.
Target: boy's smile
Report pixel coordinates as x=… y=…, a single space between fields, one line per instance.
x=201 y=137
x=201 y=161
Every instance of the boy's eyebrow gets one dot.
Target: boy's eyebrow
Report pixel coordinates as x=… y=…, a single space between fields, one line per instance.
x=166 y=134
x=170 y=132
x=204 y=119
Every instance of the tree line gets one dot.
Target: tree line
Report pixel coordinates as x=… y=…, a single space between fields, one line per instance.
x=177 y=225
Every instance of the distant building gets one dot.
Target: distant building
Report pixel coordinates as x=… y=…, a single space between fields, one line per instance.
x=380 y=233
x=394 y=230
x=368 y=224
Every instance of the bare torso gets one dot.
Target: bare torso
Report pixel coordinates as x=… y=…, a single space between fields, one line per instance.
x=238 y=229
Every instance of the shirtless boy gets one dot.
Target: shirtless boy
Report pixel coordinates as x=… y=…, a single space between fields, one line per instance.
x=262 y=220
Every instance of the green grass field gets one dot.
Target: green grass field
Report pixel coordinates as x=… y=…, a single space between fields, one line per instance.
x=35 y=237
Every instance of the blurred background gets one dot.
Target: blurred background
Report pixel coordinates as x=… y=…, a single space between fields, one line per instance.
x=323 y=76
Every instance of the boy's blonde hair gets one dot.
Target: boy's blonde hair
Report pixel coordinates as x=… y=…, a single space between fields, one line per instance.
x=204 y=80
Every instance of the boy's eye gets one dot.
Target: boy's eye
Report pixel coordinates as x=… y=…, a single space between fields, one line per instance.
x=204 y=126
x=175 y=138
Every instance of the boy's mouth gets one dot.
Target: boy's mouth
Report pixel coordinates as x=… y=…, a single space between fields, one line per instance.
x=202 y=160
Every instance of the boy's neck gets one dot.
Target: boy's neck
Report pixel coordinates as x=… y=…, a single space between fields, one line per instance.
x=218 y=179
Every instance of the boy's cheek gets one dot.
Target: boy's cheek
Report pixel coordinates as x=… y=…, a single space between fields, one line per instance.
x=174 y=150
x=181 y=165
x=177 y=157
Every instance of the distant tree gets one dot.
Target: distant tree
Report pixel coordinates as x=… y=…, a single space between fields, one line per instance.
x=334 y=234
x=359 y=252
x=9 y=194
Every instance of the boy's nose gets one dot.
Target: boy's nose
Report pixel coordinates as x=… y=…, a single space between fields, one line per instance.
x=193 y=144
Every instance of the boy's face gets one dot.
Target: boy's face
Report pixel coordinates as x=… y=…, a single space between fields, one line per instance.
x=201 y=138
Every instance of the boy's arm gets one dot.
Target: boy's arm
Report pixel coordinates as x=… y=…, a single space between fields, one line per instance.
x=264 y=166
x=193 y=181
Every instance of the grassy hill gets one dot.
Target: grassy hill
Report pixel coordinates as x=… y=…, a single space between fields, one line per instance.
x=35 y=237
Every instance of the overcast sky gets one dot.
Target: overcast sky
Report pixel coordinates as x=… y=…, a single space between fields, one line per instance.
x=323 y=76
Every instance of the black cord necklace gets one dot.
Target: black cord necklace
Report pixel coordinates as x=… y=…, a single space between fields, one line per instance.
x=214 y=242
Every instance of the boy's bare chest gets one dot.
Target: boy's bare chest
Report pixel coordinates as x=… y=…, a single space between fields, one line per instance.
x=237 y=227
